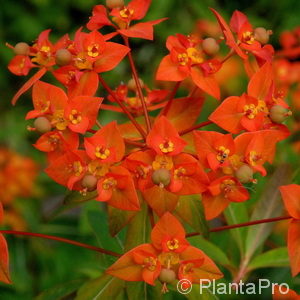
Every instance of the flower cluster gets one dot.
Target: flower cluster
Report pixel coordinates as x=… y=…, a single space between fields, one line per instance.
x=159 y=158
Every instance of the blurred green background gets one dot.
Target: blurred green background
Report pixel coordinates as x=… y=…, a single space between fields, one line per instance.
x=40 y=264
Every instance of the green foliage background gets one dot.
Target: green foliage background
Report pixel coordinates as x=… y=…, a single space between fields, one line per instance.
x=39 y=264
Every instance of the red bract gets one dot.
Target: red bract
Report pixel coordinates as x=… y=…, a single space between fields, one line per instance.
x=185 y=59
x=169 y=250
x=122 y=18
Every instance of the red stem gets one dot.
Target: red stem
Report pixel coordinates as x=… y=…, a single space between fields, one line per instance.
x=137 y=82
x=242 y=225
x=59 y=239
x=132 y=119
x=134 y=143
x=172 y=95
x=195 y=127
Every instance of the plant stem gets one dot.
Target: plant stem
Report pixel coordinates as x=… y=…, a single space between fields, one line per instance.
x=195 y=127
x=230 y=54
x=151 y=216
x=138 y=85
x=134 y=143
x=242 y=225
x=132 y=119
x=59 y=239
x=171 y=97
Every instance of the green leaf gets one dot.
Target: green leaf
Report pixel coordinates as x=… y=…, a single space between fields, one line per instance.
x=104 y=287
x=72 y=200
x=142 y=290
x=138 y=229
x=268 y=206
x=273 y=258
x=60 y=291
x=205 y=295
x=99 y=225
x=214 y=252
x=237 y=213
x=118 y=219
x=190 y=209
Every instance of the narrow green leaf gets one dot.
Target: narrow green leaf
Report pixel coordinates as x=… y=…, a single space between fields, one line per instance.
x=72 y=200
x=60 y=291
x=138 y=229
x=142 y=290
x=273 y=258
x=190 y=210
x=237 y=213
x=206 y=294
x=104 y=287
x=214 y=252
x=118 y=219
x=268 y=206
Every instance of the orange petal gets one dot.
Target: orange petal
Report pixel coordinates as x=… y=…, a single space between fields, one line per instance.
x=291 y=198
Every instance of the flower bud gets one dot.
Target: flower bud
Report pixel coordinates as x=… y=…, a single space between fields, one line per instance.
x=262 y=35
x=244 y=174
x=21 y=49
x=210 y=46
x=114 y=3
x=167 y=275
x=90 y=182
x=278 y=113
x=63 y=57
x=161 y=177
x=42 y=124
x=132 y=85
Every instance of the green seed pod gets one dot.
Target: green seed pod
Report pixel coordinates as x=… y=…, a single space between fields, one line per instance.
x=278 y=113
x=167 y=275
x=114 y=3
x=210 y=46
x=161 y=176
x=42 y=124
x=244 y=174
x=63 y=57
x=22 y=49
x=90 y=182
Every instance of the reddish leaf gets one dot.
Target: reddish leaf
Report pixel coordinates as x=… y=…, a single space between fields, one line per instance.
x=4 y=261
x=28 y=84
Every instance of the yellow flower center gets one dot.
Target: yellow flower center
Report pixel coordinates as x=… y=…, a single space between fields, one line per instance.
x=126 y=13
x=173 y=244
x=180 y=172
x=98 y=169
x=150 y=263
x=223 y=153
x=166 y=147
x=162 y=161
x=169 y=258
x=59 y=121
x=75 y=117
x=253 y=158
x=81 y=62
x=77 y=168
x=250 y=111
x=183 y=59
x=93 y=50
x=195 y=55
x=109 y=183
x=227 y=185
x=101 y=152
x=248 y=37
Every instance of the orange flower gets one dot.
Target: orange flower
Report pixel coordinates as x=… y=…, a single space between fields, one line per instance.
x=169 y=253
x=281 y=293
x=164 y=138
x=290 y=195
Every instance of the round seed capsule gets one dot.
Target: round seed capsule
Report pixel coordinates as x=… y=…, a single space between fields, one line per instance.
x=167 y=275
x=244 y=174
x=42 y=124
x=63 y=57
x=90 y=182
x=210 y=46
x=161 y=176
x=21 y=48
x=262 y=35
x=278 y=113
x=132 y=85
x=114 y=3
